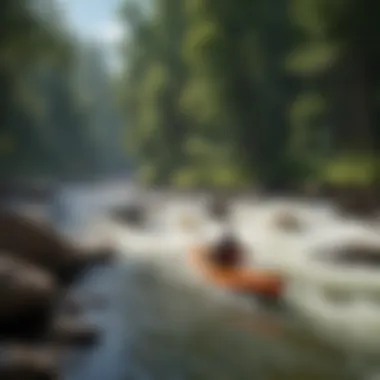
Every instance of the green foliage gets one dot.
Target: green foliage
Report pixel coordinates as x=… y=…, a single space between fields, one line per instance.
x=314 y=59
x=351 y=169
x=224 y=93
x=45 y=127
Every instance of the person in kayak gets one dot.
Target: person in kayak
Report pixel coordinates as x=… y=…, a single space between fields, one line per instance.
x=227 y=252
x=223 y=264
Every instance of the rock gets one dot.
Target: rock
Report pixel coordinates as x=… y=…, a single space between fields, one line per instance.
x=355 y=200
x=29 y=362
x=38 y=268
x=27 y=293
x=96 y=255
x=73 y=331
x=288 y=221
x=34 y=241
x=219 y=208
x=71 y=306
x=358 y=255
x=133 y=214
x=37 y=243
x=84 y=258
x=311 y=189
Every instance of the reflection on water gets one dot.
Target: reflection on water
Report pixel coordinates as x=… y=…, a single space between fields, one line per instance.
x=106 y=360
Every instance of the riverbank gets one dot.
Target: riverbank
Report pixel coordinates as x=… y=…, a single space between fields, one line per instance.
x=40 y=317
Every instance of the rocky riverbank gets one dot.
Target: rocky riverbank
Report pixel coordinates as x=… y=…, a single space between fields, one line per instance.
x=39 y=317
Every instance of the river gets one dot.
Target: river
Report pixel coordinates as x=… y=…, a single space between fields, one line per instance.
x=161 y=324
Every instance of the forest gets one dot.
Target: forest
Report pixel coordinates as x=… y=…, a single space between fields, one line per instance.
x=274 y=93
x=58 y=117
x=278 y=93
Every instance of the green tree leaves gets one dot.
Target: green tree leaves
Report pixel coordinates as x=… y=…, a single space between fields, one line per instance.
x=244 y=91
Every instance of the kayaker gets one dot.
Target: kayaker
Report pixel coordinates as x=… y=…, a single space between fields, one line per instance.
x=227 y=252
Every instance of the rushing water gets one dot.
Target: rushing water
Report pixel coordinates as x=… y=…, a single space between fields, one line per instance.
x=163 y=322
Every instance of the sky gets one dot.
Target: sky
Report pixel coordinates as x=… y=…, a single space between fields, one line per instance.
x=97 y=19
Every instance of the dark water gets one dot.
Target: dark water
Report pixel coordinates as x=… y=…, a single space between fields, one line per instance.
x=159 y=327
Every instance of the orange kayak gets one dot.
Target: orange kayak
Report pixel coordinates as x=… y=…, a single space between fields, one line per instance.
x=249 y=280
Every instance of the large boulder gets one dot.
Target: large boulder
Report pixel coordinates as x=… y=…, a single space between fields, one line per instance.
x=37 y=243
x=33 y=241
x=38 y=268
x=27 y=293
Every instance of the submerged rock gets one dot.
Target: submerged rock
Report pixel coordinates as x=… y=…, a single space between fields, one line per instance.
x=358 y=255
x=288 y=221
x=219 y=207
x=133 y=214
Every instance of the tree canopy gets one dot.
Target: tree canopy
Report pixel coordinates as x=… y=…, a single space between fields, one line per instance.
x=233 y=92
